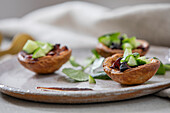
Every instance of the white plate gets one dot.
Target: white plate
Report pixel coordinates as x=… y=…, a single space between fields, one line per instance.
x=19 y=82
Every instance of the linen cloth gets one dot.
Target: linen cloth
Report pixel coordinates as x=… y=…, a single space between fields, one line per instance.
x=78 y=24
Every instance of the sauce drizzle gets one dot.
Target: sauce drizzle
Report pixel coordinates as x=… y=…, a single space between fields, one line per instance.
x=64 y=89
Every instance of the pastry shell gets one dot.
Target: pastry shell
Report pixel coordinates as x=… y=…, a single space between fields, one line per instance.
x=137 y=75
x=46 y=64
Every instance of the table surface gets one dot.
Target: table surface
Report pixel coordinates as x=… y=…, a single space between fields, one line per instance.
x=146 y=104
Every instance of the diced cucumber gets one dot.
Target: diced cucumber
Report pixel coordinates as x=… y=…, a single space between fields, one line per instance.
x=127 y=45
x=126 y=59
x=136 y=55
x=133 y=42
x=46 y=48
x=38 y=53
x=91 y=80
x=37 y=48
x=127 y=52
x=132 y=61
x=30 y=46
x=142 y=60
x=40 y=44
x=145 y=59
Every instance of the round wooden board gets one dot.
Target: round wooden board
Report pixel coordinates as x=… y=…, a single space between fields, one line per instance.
x=19 y=82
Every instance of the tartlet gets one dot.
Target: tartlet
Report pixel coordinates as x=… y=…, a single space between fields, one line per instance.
x=105 y=51
x=132 y=76
x=113 y=43
x=49 y=63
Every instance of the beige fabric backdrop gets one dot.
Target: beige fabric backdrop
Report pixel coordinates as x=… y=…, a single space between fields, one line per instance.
x=18 y=8
x=82 y=23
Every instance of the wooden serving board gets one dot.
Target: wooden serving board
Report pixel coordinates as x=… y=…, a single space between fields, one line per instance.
x=21 y=83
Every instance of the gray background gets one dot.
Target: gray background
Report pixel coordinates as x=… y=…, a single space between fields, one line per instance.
x=18 y=8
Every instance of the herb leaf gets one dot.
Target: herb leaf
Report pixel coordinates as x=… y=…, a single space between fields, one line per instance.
x=97 y=63
x=77 y=75
x=161 y=70
x=167 y=67
x=95 y=53
x=73 y=62
x=80 y=75
x=101 y=75
x=107 y=39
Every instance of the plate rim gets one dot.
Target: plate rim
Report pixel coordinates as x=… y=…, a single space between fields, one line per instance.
x=75 y=94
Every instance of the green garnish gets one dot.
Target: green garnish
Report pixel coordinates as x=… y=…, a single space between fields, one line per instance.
x=133 y=42
x=101 y=75
x=73 y=62
x=38 y=53
x=107 y=39
x=136 y=55
x=37 y=48
x=30 y=46
x=127 y=52
x=46 y=48
x=161 y=70
x=124 y=36
x=80 y=74
x=40 y=44
x=142 y=60
x=96 y=64
x=124 y=41
x=167 y=67
x=95 y=53
x=133 y=59
x=126 y=45
x=126 y=55
x=91 y=80
x=77 y=75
